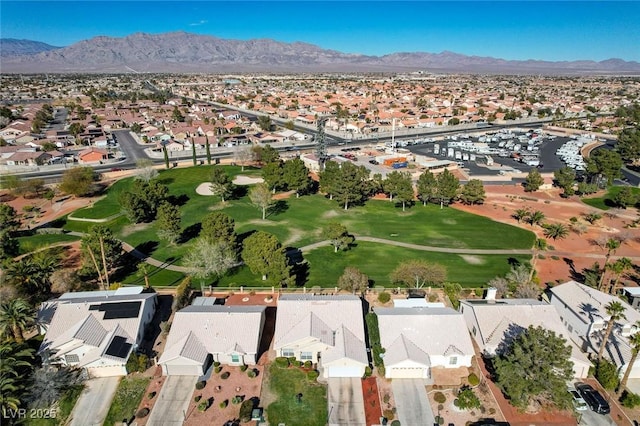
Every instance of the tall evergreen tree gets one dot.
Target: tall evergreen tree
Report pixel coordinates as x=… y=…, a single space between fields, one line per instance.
x=296 y=176
x=447 y=187
x=427 y=187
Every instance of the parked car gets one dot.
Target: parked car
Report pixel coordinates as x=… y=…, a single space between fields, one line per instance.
x=578 y=402
x=593 y=398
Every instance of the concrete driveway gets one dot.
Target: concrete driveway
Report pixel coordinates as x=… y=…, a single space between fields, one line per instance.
x=591 y=418
x=346 y=403
x=94 y=401
x=173 y=401
x=412 y=403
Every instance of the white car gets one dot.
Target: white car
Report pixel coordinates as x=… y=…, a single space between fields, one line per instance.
x=578 y=402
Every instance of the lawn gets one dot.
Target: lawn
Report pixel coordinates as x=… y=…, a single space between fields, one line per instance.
x=378 y=260
x=126 y=400
x=287 y=383
x=606 y=202
x=65 y=406
x=37 y=241
x=157 y=277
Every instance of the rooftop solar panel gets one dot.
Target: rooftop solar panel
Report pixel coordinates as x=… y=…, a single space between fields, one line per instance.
x=118 y=347
x=118 y=309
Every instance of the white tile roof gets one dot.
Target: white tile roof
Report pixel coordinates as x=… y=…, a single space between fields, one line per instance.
x=199 y=330
x=336 y=321
x=416 y=333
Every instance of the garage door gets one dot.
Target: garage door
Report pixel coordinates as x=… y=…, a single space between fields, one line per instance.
x=406 y=373
x=348 y=371
x=183 y=370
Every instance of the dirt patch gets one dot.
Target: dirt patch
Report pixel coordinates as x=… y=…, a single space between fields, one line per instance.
x=472 y=260
x=329 y=214
x=294 y=236
x=130 y=229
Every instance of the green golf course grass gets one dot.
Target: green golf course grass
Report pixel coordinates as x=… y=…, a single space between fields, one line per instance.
x=606 y=202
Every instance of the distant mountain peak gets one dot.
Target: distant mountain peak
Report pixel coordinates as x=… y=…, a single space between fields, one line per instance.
x=181 y=51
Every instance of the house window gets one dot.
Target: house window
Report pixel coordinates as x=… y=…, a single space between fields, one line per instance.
x=453 y=360
x=306 y=356
x=288 y=352
x=235 y=358
x=72 y=359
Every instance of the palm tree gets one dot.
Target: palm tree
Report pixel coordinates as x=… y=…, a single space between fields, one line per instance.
x=634 y=342
x=535 y=218
x=16 y=317
x=615 y=310
x=8 y=389
x=619 y=267
x=143 y=270
x=555 y=231
x=540 y=244
x=520 y=214
x=611 y=245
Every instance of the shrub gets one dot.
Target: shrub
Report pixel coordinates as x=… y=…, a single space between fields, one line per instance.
x=201 y=384
x=203 y=405
x=237 y=399
x=217 y=369
x=386 y=398
x=216 y=364
x=554 y=257
x=367 y=371
x=312 y=375
x=252 y=373
x=388 y=414
x=143 y=412
x=197 y=398
x=439 y=397
x=151 y=395
x=243 y=367
x=245 y=410
x=292 y=360
x=224 y=403
x=282 y=362
x=308 y=364
x=439 y=420
x=395 y=423
x=630 y=399
x=381 y=370
x=473 y=379
x=137 y=363
x=225 y=375
x=384 y=297
x=433 y=298
x=607 y=375
x=467 y=399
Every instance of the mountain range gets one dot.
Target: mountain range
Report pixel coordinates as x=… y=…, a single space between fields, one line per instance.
x=187 y=52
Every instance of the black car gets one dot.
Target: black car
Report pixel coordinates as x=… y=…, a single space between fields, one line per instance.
x=593 y=398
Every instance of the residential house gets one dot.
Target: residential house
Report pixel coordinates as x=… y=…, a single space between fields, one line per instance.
x=327 y=330
x=583 y=311
x=417 y=340
x=495 y=323
x=204 y=333
x=95 y=330
x=93 y=155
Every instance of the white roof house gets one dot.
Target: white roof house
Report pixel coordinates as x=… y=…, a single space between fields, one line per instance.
x=583 y=310
x=96 y=330
x=495 y=323
x=203 y=334
x=419 y=339
x=328 y=330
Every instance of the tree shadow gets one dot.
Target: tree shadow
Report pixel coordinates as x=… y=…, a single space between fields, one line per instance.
x=513 y=262
x=166 y=180
x=178 y=200
x=245 y=235
x=278 y=207
x=128 y=266
x=190 y=232
x=148 y=247
x=301 y=273
x=239 y=191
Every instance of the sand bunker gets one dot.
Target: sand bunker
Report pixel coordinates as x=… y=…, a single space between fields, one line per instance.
x=205 y=187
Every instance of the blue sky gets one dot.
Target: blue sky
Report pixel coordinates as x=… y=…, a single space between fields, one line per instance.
x=560 y=30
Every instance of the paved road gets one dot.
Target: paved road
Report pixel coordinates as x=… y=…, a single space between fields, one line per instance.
x=346 y=402
x=94 y=402
x=412 y=403
x=173 y=401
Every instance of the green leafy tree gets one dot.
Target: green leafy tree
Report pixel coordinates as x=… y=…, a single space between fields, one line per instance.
x=168 y=222
x=625 y=197
x=193 y=153
x=208 y=149
x=467 y=399
x=605 y=163
x=296 y=176
x=535 y=369
x=76 y=129
x=219 y=227
x=418 y=273
x=264 y=121
x=329 y=178
x=268 y=154
x=273 y=175
x=564 y=178
x=473 y=192
x=176 y=115
x=352 y=279
x=16 y=318
x=264 y=255
x=628 y=145
x=447 y=187
x=8 y=225
x=399 y=184
x=616 y=312
x=533 y=181
x=141 y=202
x=209 y=259
x=338 y=235
x=78 y=181
x=261 y=197
x=555 y=231
x=351 y=186
x=221 y=184
x=607 y=374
